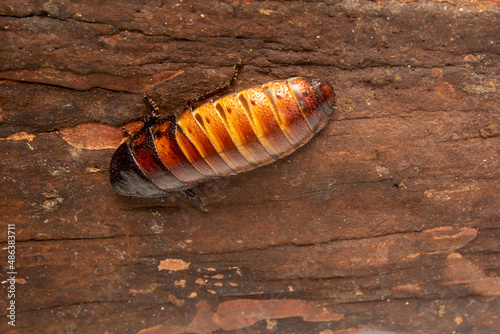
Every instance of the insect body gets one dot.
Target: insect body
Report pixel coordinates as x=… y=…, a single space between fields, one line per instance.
x=233 y=134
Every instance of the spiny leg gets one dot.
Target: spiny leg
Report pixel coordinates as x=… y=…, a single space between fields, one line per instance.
x=154 y=111
x=196 y=199
x=126 y=132
x=219 y=89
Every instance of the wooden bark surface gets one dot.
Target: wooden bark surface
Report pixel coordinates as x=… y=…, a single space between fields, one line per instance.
x=387 y=220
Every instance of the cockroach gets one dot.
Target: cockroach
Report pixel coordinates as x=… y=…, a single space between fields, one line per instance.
x=233 y=134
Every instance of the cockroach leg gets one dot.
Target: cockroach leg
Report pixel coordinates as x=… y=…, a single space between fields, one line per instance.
x=154 y=111
x=126 y=132
x=217 y=90
x=196 y=199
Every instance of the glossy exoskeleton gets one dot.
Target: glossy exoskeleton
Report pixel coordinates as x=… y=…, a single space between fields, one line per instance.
x=235 y=133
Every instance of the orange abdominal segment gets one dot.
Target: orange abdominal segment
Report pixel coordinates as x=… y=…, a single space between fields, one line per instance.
x=172 y=155
x=287 y=113
x=309 y=102
x=263 y=122
x=202 y=143
x=192 y=153
x=209 y=120
x=236 y=121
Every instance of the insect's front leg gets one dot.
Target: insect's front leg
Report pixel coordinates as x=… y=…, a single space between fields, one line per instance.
x=154 y=111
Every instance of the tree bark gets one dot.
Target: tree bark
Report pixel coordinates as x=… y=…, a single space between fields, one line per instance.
x=387 y=220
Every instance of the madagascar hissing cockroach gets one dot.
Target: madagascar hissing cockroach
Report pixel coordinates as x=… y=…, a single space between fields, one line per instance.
x=235 y=133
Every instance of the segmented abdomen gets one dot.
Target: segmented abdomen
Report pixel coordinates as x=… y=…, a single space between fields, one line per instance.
x=233 y=134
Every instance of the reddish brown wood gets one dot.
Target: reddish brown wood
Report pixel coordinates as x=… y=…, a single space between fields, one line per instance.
x=389 y=219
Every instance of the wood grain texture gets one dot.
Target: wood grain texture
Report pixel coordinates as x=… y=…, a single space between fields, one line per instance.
x=387 y=220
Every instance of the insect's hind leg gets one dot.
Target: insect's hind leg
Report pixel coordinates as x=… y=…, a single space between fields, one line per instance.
x=219 y=89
